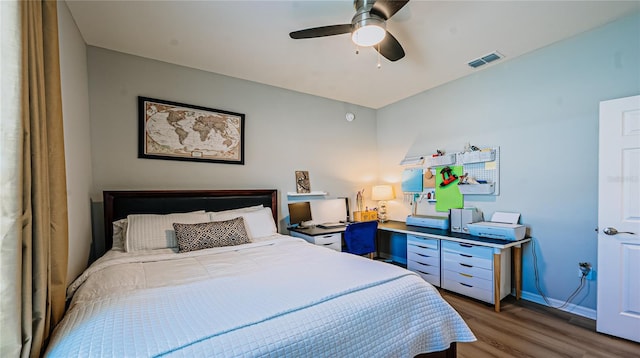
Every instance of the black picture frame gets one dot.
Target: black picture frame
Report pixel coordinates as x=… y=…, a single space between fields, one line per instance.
x=179 y=131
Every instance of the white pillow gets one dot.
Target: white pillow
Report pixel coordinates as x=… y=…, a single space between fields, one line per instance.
x=259 y=223
x=151 y=231
x=226 y=213
x=120 y=232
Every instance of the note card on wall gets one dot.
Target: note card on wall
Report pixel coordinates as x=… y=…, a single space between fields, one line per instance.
x=412 y=180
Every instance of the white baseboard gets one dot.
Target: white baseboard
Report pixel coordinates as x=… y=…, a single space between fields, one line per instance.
x=571 y=308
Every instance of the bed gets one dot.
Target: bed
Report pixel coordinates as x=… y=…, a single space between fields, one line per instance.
x=225 y=283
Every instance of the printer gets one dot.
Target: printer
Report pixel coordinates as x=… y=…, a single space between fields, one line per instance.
x=503 y=226
x=434 y=222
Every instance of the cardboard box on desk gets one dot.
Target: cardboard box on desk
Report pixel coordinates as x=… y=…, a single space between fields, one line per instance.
x=370 y=215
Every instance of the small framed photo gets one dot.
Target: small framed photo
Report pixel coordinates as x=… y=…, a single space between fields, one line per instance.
x=178 y=131
x=302 y=182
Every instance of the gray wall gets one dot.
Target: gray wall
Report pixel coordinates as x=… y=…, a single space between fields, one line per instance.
x=542 y=111
x=285 y=131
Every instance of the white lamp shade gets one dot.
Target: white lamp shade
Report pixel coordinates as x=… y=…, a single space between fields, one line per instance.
x=382 y=192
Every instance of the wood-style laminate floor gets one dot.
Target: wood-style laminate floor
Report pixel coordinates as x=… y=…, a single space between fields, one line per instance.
x=527 y=329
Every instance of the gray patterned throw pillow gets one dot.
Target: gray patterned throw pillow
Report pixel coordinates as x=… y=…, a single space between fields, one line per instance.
x=193 y=237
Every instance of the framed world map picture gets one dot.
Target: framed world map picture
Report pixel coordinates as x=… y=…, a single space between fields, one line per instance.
x=178 y=131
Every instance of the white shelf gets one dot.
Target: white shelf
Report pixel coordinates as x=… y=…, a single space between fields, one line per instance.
x=470 y=189
x=429 y=194
x=440 y=161
x=313 y=193
x=478 y=156
x=418 y=160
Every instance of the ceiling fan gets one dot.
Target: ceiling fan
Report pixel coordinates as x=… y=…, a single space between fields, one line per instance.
x=367 y=27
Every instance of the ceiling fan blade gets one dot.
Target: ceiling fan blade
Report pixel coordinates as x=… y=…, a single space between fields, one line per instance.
x=387 y=8
x=321 y=31
x=390 y=48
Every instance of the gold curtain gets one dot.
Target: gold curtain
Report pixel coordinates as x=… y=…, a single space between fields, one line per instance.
x=34 y=235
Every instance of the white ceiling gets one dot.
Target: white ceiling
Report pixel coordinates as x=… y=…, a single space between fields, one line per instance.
x=249 y=39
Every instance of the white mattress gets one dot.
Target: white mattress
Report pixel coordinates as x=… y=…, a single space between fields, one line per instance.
x=278 y=297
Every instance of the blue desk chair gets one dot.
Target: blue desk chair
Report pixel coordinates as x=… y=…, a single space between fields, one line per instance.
x=360 y=238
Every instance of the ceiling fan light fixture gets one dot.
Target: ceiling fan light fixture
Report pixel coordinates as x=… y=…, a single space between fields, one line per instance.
x=368 y=31
x=368 y=28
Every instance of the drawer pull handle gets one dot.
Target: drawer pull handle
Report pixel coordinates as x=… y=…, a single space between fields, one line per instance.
x=422 y=247
x=465 y=265
x=464 y=284
x=424 y=273
x=466 y=245
x=328 y=244
x=422 y=255
x=423 y=264
x=327 y=236
x=465 y=275
x=463 y=255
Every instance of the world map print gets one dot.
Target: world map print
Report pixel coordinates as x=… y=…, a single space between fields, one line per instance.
x=184 y=132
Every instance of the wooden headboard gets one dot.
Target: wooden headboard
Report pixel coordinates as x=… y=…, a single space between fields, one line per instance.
x=119 y=204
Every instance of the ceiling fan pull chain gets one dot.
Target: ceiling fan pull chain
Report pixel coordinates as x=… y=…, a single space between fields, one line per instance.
x=357 y=50
x=379 y=65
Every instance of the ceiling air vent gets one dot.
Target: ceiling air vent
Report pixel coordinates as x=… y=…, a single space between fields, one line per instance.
x=485 y=59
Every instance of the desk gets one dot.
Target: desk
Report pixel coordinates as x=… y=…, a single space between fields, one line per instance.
x=329 y=238
x=498 y=247
x=316 y=231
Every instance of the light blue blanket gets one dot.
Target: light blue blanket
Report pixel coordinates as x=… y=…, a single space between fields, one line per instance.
x=286 y=298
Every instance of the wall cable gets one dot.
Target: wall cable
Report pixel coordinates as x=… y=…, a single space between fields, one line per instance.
x=573 y=295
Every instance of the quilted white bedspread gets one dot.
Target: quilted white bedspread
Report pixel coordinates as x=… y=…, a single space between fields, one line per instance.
x=280 y=297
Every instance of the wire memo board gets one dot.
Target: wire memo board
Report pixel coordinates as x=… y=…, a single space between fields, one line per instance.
x=480 y=166
x=483 y=165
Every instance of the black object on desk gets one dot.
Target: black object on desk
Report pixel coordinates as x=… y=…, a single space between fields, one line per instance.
x=331 y=225
x=316 y=230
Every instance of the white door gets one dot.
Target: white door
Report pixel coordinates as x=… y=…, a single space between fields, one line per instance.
x=618 y=311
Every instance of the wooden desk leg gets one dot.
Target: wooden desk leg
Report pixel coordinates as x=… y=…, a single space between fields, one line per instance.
x=517 y=270
x=496 y=282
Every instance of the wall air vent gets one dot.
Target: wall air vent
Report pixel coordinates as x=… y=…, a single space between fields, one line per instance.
x=475 y=63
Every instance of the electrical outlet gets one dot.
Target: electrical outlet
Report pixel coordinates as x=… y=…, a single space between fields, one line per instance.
x=585 y=270
x=590 y=276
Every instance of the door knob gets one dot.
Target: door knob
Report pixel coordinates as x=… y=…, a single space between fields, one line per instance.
x=613 y=231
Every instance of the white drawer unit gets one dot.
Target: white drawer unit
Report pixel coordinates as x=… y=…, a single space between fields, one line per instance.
x=470 y=270
x=469 y=265
x=423 y=258
x=331 y=241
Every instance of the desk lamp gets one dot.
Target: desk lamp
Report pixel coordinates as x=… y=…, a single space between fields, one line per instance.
x=382 y=193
